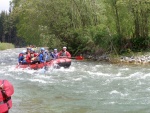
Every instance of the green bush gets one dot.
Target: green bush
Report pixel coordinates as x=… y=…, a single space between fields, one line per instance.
x=102 y=39
x=140 y=44
x=4 y=46
x=78 y=42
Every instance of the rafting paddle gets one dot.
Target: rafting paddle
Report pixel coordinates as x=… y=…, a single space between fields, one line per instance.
x=78 y=58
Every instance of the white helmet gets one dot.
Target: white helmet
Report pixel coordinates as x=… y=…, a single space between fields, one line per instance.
x=64 y=47
x=24 y=51
x=32 y=49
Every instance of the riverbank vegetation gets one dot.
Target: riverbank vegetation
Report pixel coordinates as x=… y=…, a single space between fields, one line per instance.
x=4 y=46
x=84 y=26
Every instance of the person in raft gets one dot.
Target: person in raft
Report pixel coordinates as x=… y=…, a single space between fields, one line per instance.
x=64 y=53
x=54 y=54
x=28 y=55
x=6 y=91
x=34 y=56
x=21 y=57
x=42 y=56
x=47 y=55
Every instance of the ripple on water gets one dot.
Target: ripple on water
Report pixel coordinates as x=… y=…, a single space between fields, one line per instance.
x=86 y=87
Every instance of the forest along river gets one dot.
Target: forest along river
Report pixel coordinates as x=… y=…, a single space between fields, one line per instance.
x=86 y=87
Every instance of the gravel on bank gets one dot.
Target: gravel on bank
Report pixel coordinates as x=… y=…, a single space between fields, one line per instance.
x=143 y=58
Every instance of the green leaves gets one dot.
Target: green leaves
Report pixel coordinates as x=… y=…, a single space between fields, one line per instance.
x=80 y=24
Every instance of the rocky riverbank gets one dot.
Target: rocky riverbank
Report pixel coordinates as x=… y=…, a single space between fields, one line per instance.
x=142 y=58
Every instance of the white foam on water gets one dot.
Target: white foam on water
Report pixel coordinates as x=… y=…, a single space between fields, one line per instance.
x=42 y=76
x=3 y=63
x=38 y=80
x=117 y=92
x=70 y=69
x=98 y=66
x=98 y=73
x=139 y=82
x=135 y=75
x=108 y=81
x=17 y=78
x=119 y=74
x=147 y=75
x=2 y=72
x=93 y=91
x=114 y=92
x=148 y=89
x=111 y=102
x=77 y=79
x=7 y=74
x=13 y=68
x=124 y=69
x=28 y=71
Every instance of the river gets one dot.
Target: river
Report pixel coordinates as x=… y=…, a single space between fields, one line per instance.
x=86 y=87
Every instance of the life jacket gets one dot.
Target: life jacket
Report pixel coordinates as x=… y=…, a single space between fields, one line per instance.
x=34 y=56
x=47 y=56
x=28 y=57
x=20 y=55
x=66 y=53
x=54 y=55
x=24 y=56
x=63 y=53
x=5 y=96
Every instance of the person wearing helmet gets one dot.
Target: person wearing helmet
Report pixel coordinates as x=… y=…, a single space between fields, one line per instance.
x=34 y=56
x=42 y=49
x=47 y=55
x=28 y=55
x=42 y=56
x=21 y=57
x=54 y=54
x=64 y=53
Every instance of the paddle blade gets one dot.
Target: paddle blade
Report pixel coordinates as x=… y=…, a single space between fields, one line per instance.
x=79 y=58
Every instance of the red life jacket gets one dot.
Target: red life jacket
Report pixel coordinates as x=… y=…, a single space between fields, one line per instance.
x=28 y=58
x=20 y=55
x=5 y=96
x=66 y=53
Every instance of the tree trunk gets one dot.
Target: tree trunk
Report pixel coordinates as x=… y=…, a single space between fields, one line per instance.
x=117 y=20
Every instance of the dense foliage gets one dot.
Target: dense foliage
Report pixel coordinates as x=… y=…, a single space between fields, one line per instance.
x=84 y=26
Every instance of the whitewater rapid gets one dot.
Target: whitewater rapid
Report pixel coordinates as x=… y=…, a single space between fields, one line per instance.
x=86 y=87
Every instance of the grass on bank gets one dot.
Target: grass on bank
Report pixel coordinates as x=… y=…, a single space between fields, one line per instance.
x=4 y=46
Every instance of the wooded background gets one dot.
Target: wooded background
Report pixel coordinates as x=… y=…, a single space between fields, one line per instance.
x=84 y=26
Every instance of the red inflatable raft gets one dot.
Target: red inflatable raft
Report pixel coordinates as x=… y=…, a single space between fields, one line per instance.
x=5 y=95
x=57 y=63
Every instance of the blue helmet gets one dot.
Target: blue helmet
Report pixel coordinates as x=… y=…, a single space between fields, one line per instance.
x=42 y=49
x=28 y=48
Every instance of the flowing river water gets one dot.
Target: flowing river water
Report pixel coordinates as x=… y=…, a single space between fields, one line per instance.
x=86 y=87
